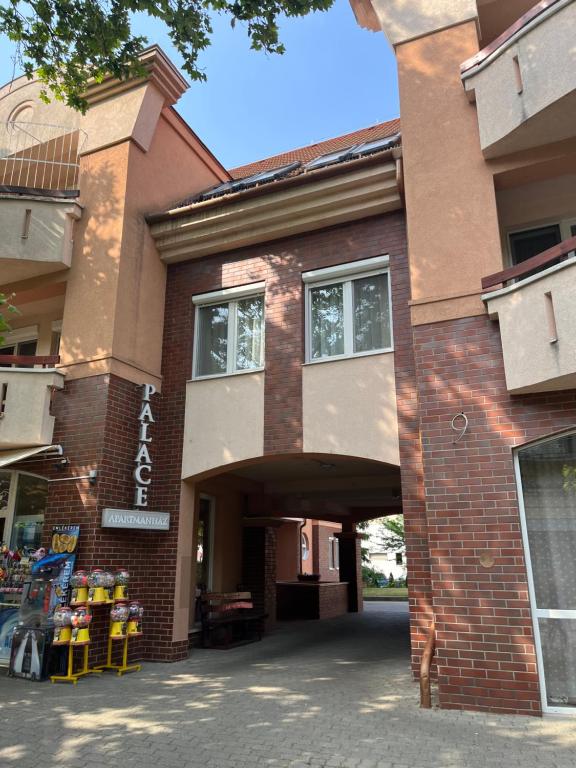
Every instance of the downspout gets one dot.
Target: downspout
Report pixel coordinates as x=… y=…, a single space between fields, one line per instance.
x=425 y=664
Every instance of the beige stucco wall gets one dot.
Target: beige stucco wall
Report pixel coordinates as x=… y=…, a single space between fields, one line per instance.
x=26 y=420
x=404 y=20
x=349 y=408
x=226 y=552
x=42 y=245
x=142 y=158
x=532 y=363
x=453 y=233
x=511 y=121
x=224 y=422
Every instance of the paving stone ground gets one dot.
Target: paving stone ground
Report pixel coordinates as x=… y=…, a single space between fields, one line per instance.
x=335 y=694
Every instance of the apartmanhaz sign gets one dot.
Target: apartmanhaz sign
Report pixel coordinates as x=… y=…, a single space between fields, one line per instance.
x=131 y=518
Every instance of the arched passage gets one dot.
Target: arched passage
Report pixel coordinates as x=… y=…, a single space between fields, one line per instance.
x=250 y=520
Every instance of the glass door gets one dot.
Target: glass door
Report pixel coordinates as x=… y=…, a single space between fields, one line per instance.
x=546 y=474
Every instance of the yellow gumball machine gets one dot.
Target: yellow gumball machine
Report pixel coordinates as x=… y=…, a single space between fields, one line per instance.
x=136 y=612
x=119 y=620
x=97 y=590
x=80 y=620
x=121 y=579
x=62 y=625
x=79 y=584
x=108 y=580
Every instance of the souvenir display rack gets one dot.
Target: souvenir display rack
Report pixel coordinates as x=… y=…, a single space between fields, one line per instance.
x=101 y=589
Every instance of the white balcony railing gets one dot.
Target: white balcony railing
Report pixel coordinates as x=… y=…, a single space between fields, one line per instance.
x=39 y=157
x=25 y=399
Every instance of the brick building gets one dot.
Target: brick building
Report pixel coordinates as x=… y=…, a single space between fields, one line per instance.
x=269 y=355
x=487 y=92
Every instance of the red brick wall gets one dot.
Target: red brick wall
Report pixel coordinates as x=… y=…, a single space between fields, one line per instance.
x=485 y=644
x=332 y=601
x=97 y=425
x=280 y=264
x=411 y=469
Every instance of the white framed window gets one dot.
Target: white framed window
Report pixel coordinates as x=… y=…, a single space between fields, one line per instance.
x=229 y=331
x=333 y=554
x=348 y=310
x=305 y=546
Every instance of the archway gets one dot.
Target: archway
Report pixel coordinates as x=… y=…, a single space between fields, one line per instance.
x=251 y=519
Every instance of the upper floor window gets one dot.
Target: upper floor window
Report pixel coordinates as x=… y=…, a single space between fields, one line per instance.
x=348 y=310
x=22 y=342
x=229 y=334
x=526 y=243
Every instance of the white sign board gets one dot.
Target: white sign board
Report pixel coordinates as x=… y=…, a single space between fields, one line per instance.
x=135 y=518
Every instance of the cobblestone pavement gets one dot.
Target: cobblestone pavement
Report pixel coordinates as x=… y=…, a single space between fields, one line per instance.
x=335 y=694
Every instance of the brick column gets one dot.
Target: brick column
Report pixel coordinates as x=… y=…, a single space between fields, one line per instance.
x=259 y=568
x=351 y=568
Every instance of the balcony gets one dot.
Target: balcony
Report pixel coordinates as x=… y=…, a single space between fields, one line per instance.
x=524 y=82
x=25 y=398
x=537 y=317
x=39 y=167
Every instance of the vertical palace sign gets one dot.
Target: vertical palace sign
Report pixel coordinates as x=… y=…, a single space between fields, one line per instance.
x=140 y=518
x=143 y=471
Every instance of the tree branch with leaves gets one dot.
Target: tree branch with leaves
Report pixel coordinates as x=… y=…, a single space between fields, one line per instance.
x=6 y=306
x=67 y=43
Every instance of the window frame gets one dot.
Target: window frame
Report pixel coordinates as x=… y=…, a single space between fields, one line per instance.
x=10 y=515
x=565 y=225
x=231 y=297
x=333 y=553
x=345 y=274
x=18 y=336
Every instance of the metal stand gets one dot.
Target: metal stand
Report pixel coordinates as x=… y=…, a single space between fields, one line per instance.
x=71 y=676
x=120 y=668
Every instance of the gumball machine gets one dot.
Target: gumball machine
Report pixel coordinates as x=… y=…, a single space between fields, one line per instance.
x=62 y=625
x=136 y=612
x=97 y=590
x=121 y=579
x=80 y=620
x=108 y=580
x=119 y=620
x=79 y=584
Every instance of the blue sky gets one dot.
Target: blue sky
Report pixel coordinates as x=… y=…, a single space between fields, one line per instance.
x=334 y=78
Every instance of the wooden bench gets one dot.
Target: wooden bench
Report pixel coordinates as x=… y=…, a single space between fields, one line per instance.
x=229 y=619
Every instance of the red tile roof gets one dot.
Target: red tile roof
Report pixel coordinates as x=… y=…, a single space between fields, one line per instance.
x=304 y=154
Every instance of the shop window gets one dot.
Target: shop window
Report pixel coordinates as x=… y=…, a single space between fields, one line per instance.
x=305 y=544
x=229 y=332
x=29 y=509
x=546 y=474
x=22 y=507
x=5 y=483
x=348 y=310
x=333 y=553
